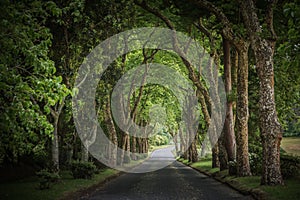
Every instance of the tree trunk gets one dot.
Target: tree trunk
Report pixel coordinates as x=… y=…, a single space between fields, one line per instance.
x=188 y=144
x=175 y=140
x=127 y=152
x=229 y=136
x=270 y=128
x=222 y=153
x=243 y=165
x=192 y=151
x=133 y=148
x=182 y=144
x=84 y=154
x=271 y=132
x=112 y=134
x=55 y=147
x=123 y=155
x=215 y=158
x=144 y=145
x=140 y=147
x=235 y=64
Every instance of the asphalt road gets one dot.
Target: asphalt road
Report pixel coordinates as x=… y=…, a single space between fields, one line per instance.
x=175 y=181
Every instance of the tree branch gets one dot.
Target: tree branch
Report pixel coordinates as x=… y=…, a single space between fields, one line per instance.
x=192 y=75
x=227 y=27
x=269 y=19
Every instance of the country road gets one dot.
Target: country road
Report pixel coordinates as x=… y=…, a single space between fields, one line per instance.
x=175 y=181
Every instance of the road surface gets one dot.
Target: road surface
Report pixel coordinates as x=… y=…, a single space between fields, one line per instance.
x=175 y=181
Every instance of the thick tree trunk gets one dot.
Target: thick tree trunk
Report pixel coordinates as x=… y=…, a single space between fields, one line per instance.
x=222 y=152
x=215 y=157
x=229 y=136
x=271 y=133
x=192 y=150
x=193 y=154
x=270 y=128
x=243 y=165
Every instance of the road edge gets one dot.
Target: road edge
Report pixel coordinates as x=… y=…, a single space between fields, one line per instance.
x=84 y=193
x=254 y=192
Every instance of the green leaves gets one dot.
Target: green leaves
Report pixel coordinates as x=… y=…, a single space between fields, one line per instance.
x=287 y=66
x=28 y=82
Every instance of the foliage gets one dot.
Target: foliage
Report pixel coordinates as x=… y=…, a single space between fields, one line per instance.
x=287 y=66
x=232 y=168
x=28 y=84
x=26 y=188
x=290 y=165
x=46 y=178
x=84 y=170
x=255 y=158
x=159 y=139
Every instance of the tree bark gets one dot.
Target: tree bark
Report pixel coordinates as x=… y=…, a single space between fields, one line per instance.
x=243 y=165
x=123 y=155
x=133 y=148
x=112 y=134
x=270 y=128
x=175 y=140
x=55 y=147
x=222 y=152
x=84 y=153
x=215 y=158
x=193 y=154
x=182 y=143
x=229 y=136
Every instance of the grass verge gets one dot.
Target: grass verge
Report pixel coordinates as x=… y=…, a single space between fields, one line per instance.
x=66 y=188
x=291 y=145
x=250 y=185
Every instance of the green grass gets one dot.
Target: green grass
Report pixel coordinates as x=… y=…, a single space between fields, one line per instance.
x=205 y=165
x=291 y=145
x=249 y=181
x=288 y=191
x=27 y=188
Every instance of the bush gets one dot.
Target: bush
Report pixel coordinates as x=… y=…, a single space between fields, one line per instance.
x=127 y=158
x=255 y=161
x=290 y=165
x=255 y=158
x=232 y=168
x=84 y=170
x=46 y=178
x=141 y=156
